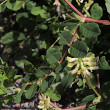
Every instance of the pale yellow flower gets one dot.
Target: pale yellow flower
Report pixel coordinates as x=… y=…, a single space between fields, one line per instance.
x=90 y=63
x=86 y=72
x=93 y=68
x=71 y=59
x=75 y=70
x=83 y=65
x=44 y=103
x=88 y=58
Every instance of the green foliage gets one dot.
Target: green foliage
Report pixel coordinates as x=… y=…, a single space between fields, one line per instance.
x=18 y=96
x=65 y=37
x=34 y=45
x=87 y=99
x=90 y=31
x=103 y=64
x=31 y=91
x=53 y=94
x=15 y=4
x=108 y=6
x=53 y=55
x=78 y=49
x=41 y=12
x=96 y=11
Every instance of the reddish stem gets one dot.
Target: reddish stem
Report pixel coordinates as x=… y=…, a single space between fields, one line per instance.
x=79 y=107
x=77 y=11
x=98 y=82
x=59 y=61
x=106 y=22
x=74 y=34
x=44 y=76
x=85 y=19
x=54 y=105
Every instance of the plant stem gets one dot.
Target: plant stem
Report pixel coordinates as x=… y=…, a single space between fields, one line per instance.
x=74 y=34
x=59 y=61
x=44 y=76
x=85 y=19
x=54 y=105
x=71 y=17
x=55 y=42
x=98 y=82
x=79 y=107
x=77 y=11
x=106 y=22
x=3 y=2
x=92 y=87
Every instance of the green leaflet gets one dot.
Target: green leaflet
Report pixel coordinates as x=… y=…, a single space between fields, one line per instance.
x=15 y=5
x=42 y=71
x=90 y=31
x=29 y=67
x=21 y=16
x=103 y=64
x=20 y=63
x=39 y=11
x=30 y=5
x=3 y=90
x=53 y=55
x=78 y=49
x=18 y=96
x=107 y=4
x=53 y=94
x=12 y=36
x=7 y=38
x=96 y=11
x=87 y=99
x=44 y=86
x=31 y=91
x=65 y=37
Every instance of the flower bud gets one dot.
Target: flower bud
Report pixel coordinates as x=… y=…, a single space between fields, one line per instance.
x=88 y=58
x=93 y=68
x=71 y=59
x=76 y=69
x=71 y=64
x=90 y=63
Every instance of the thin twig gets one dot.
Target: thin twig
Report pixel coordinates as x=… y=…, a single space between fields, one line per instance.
x=80 y=107
x=92 y=87
x=3 y=2
x=55 y=42
x=77 y=11
x=59 y=61
x=98 y=82
x=85 y=19
x=71 y=17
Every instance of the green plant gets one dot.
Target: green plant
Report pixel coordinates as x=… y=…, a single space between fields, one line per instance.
x=62 y=47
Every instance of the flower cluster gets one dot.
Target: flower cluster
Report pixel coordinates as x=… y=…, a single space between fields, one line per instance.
x=82 y=65
x=44 y=103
